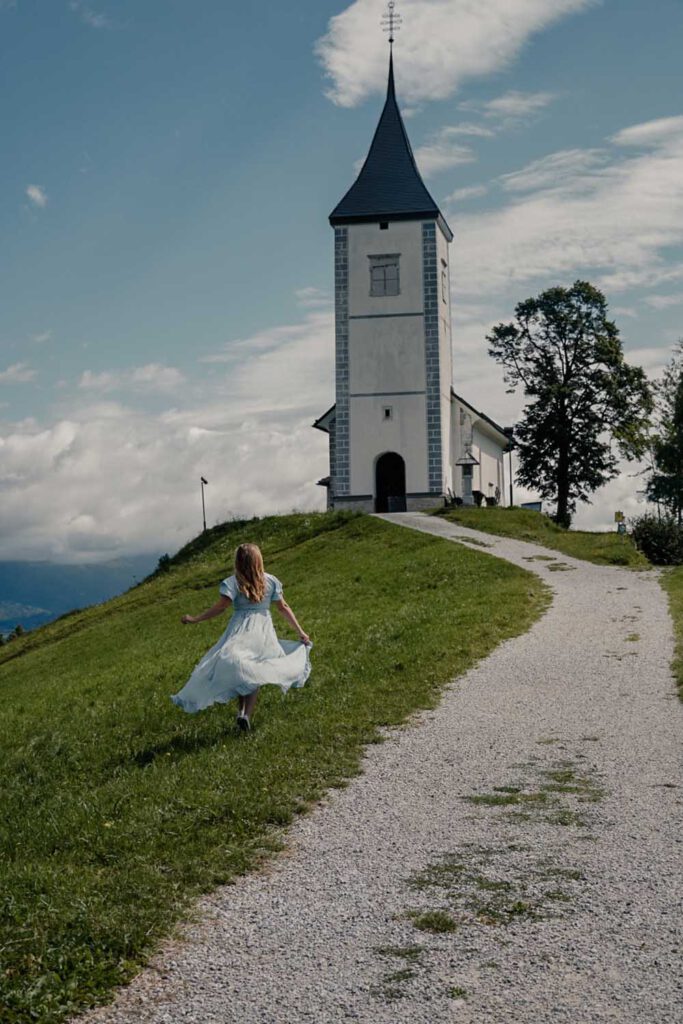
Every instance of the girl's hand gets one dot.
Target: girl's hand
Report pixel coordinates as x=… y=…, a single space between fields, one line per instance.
x=187 y=620
x=305 y=639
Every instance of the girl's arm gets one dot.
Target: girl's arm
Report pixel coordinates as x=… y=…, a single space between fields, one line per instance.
x=221 y=604
x=287 y=613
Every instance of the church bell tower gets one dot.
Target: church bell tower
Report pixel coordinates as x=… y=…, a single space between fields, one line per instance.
x=390 y=429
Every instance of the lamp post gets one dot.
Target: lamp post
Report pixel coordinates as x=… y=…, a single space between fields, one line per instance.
x=204 y=482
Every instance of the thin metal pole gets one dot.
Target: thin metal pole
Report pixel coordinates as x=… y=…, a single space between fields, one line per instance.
x=203 y=507
x=511 y=501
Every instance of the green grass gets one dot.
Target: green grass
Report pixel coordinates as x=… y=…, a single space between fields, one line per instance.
x=672 y=581
x=118 y=809
x=436 y=921
x=600 y=548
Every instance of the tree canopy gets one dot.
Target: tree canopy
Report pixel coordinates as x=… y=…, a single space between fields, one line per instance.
x=587 y=407
x=665 y=484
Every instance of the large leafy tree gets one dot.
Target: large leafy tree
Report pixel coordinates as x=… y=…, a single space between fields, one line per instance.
x=665 y=484
x=587 y=407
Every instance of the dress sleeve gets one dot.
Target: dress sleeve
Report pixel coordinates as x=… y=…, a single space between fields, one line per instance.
x=277 y=590
x=228 y=588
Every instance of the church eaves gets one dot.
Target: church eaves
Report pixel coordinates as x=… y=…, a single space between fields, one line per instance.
x=389 y=186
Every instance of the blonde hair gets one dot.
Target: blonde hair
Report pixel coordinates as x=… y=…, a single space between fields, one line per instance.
x=251 y=578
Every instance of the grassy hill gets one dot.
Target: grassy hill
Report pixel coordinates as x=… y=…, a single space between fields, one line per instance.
x=521 y=524
x=118 y=808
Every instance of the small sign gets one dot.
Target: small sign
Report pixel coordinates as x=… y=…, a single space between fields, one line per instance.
x=621 y=527
x=618 y=517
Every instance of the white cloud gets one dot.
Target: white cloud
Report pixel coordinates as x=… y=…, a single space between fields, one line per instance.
x=37 y=195
x=469 y=128
x=18 y=373
x=443 y=43
x=513 y=105
x=150 y=378
x=42 y=337
x=653 y=360
x=650 y=132
x=628 y=311
x=105 y=476
x=470 y=192
x=565 y=169
x=442 y=152
x=566 y=215
x=312 y=298
x=89 y=16
x=664 y=301
x=156 y=377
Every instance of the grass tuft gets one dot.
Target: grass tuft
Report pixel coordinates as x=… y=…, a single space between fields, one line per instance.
x=436 y=921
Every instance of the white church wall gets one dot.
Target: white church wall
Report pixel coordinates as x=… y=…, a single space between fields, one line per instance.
x=386 y=354
x=372 y=435
x=490 y=469
x=401 y=237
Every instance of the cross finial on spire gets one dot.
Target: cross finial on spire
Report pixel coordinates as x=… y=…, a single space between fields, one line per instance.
x=391 y=22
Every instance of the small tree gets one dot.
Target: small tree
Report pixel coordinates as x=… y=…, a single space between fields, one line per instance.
x=665 y=484
x=586 y=401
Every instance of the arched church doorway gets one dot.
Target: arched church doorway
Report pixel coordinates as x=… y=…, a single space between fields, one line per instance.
x=390 y=483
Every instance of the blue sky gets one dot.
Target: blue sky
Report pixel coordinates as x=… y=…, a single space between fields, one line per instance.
x=168 y=169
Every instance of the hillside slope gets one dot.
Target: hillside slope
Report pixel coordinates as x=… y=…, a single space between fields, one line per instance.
x=118 y=808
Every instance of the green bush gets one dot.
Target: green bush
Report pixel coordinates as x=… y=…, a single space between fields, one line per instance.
x=659 y=539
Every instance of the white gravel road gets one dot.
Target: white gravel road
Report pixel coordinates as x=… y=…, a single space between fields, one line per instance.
x=566 y=900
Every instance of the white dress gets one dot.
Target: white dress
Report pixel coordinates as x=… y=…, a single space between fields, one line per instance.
x=247 y=656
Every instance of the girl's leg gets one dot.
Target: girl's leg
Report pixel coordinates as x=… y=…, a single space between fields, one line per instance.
x=241 y=703
x=250 y=703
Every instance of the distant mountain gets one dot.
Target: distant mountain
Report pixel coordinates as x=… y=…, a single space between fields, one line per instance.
x=32 y=593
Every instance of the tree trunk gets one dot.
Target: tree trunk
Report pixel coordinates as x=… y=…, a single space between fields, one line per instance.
x=562 y=515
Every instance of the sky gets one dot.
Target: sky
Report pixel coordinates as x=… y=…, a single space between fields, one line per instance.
x=166 y=270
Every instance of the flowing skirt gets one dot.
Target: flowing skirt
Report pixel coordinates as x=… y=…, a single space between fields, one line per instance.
x=247 y=656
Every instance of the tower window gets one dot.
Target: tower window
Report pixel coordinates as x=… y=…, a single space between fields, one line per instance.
x=384 y=225
x=387 y=412
x=384 y=278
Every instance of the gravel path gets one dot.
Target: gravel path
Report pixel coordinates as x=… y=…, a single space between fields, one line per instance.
x=565 y=882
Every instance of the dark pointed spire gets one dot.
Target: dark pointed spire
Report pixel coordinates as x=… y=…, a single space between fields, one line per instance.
x=389 y=186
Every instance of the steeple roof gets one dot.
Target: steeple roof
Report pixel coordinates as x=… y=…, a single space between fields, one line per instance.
x=389 y=186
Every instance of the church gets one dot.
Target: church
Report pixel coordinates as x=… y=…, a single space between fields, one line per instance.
x=400 y=437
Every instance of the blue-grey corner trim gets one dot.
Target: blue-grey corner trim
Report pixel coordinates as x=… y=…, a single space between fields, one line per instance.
x=341 y=472
x=431 y=327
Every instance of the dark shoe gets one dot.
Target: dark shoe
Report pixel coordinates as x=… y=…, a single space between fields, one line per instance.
x=243 y=723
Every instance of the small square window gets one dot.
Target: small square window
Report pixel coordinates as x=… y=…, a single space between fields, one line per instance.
x=384 y=275
x=387 y=412
x=383 y=225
